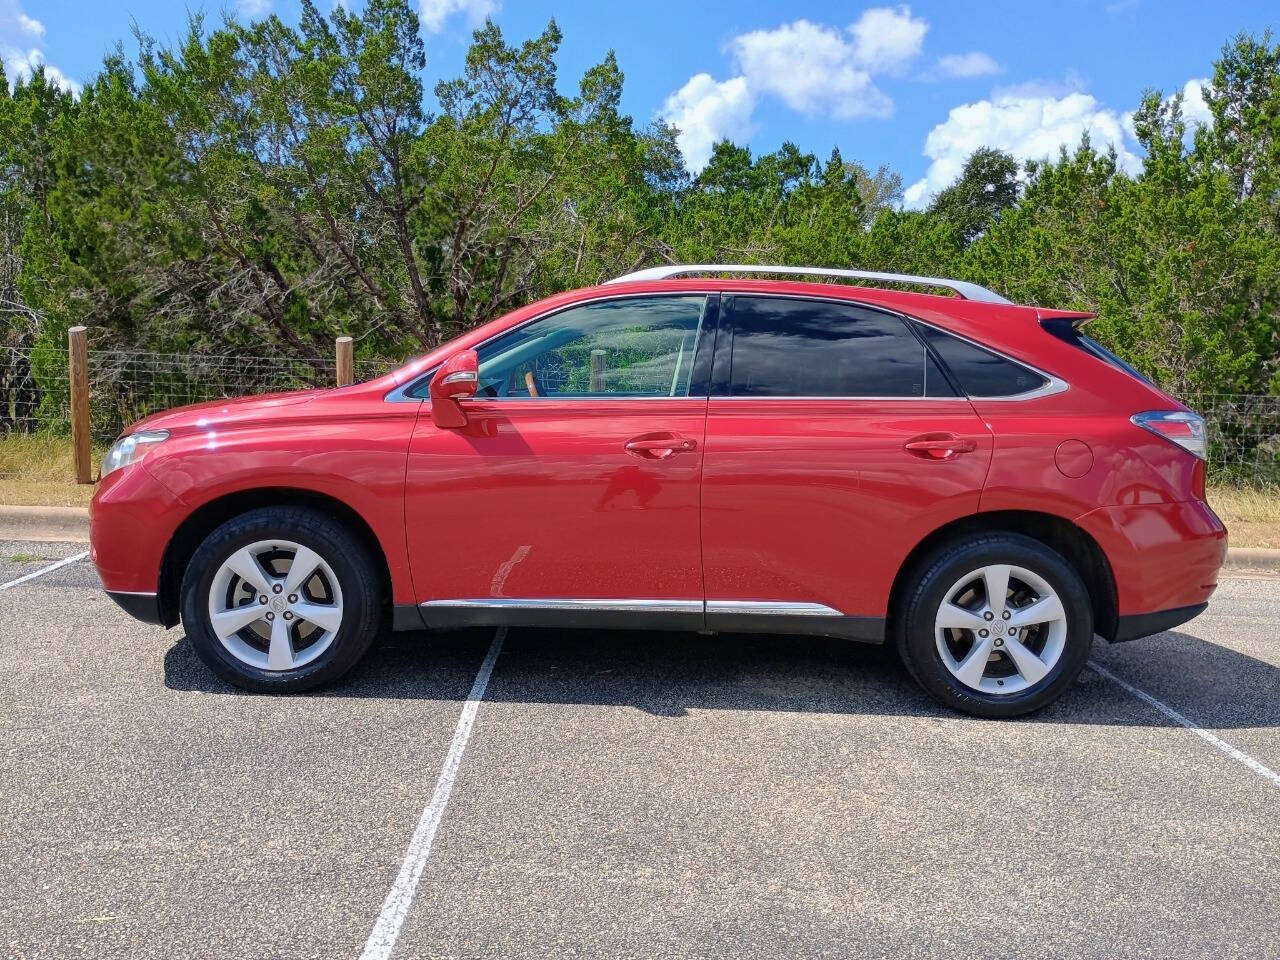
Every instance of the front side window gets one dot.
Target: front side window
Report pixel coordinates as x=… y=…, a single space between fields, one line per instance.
x=815 y=348
x=638 y=347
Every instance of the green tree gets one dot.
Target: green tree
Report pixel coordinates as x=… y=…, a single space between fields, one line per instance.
x=986 y=187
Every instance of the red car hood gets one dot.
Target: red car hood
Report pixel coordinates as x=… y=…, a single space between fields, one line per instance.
x=234 y=410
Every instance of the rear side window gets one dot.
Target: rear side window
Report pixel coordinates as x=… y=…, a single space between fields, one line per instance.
x=1067 y=332
x=1102 y=353
x=814 y=348
x=980 y=372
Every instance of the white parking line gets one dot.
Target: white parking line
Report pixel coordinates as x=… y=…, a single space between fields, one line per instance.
x=1176 y=717
x=382 y=940
x=41 y=572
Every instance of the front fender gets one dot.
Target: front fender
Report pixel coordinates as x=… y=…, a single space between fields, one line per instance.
x=357 y=460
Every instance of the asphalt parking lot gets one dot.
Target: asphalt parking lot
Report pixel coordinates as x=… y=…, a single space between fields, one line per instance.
x=629 y=795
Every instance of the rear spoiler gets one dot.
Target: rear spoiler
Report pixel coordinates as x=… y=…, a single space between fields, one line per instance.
x=1060 y=318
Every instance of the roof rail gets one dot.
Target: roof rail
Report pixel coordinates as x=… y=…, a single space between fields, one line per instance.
x=970 y=291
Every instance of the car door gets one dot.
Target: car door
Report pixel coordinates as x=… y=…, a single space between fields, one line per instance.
x=571 y=495
x=835 y=443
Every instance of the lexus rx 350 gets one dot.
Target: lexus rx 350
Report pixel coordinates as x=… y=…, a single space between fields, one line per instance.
x=704 y=448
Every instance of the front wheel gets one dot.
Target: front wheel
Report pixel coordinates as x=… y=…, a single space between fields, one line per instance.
x=280 y=599
x=996 y=626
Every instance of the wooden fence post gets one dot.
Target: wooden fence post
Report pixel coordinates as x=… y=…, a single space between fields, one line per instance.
x=78 y=366
x=346 y=365
x=596 y=384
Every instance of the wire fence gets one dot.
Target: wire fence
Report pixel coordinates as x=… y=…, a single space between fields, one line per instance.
x=1243 y=429
x=1244 y=436
x=35 y=392
x=126 y=386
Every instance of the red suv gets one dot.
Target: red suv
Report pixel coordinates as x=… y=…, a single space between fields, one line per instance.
x=970 y=480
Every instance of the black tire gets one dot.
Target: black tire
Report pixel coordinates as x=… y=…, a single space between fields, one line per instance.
x=916 y=640
x=344 y=553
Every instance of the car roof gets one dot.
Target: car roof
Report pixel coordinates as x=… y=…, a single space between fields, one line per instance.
x=905 y=300
x=1000 y=323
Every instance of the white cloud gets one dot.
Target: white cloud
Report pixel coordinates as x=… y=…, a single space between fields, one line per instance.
x=20 y=64
x=18 y=32
x=1028 y=127
x=706 y=111
x=964 y=65
x=433 y=13
x=252 y=8
x=15 y=25
x=886 y=40
x=811 y=68
x=1194 y=110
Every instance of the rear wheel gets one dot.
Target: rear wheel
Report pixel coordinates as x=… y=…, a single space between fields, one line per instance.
x=996 y=626
x=280 y=599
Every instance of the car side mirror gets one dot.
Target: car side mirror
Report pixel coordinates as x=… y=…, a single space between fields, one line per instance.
x=458 y=377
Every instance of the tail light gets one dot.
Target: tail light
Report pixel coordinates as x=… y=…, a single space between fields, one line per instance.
x=1177 y=426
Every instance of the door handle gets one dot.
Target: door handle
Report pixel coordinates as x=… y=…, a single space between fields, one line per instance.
x=940 y=446
x=660 y=447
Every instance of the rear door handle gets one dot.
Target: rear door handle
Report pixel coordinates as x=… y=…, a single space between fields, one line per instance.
x=660 y=447
x=939 y=446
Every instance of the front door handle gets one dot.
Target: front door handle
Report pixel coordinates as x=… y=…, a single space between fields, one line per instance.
x=659 y=446
x=939 y=446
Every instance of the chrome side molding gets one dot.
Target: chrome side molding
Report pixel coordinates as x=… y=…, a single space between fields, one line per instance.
x=733 y=616
x=757 y=607
x=772 y=608
x=585 y=605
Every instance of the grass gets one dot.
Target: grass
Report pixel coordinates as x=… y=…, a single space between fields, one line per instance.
x=1252 y=515
x=24 y=557
x=34 y=471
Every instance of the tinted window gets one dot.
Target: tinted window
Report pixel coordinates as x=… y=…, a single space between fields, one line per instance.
x=980 y=372
x=641 y=347
x=813 y=348
x=1102 y=353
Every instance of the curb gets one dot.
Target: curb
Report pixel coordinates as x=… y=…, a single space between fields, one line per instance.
x=71 y=525
x=1253 y=558
x=45 y=524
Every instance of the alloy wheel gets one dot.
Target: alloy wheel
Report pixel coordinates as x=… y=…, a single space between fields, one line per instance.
x=1000 y=629
x=275 y=605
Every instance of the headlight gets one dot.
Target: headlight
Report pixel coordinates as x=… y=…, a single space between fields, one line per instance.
x=129 y=449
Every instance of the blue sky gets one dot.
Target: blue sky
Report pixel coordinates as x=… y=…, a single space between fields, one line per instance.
x=914 y=86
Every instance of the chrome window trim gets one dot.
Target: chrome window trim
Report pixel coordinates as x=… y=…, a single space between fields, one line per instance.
x=400 y=393
x=1053 y=384
x=970 y=291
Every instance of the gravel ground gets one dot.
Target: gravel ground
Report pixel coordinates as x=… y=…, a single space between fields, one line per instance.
x=628 y=795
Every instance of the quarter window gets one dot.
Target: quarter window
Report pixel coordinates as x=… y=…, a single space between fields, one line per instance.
x=640 y=347
x=816 y=348
x=980 y=372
